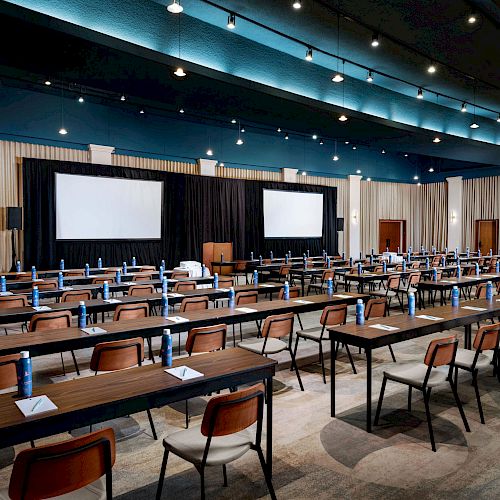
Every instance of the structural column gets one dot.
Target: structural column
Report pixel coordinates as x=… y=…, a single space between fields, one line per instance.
x=455 y=192
x=352 y=218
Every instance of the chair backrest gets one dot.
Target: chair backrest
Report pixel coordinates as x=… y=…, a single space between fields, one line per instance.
x=70 y=465
x=117 y=355
x=379 y=269
x=415 y=264
x=240 y=266
x=278 y=325
x=147 y=268
x=230 y=413
x=376 y=308
x=414 y=278
x=100 y=281
x=439 y=274
x=112 y=271
x=481 y=291
x=436 y=260
x=284 y=270
x=76 y=296
x=45 y=285
x=142 y=277
x=131 y=311
x=182 y=286
x=441 y=351
x=11 y=301
x=179 y=274
x=487 y=337
x=206 y=339
x=334 y=315
x=50 y=321
x=226 y=282
x=393 y=281
x=327 y=274
x=293 y=292
x=399 y=267
x=140 y=290
x=250 y=297
x=194 y=303
x=74 y=273
x=24 y=277
x=8 y=371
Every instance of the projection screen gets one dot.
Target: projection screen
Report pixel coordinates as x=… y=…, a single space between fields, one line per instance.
x=292 y=214
x=107 y=208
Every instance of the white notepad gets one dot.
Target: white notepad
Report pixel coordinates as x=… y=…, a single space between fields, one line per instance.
x=177 y=319
x=3 y=294
x=93 y=330
x=340 y=296
x=447 y=281
x=267 y=286
x=42 y=308
x=43 y=404
x=183 y=372
x=173 y=280
x=472 y=277
x=245 y=309
x=431 y=318
x=471 y=308
x=222 y=289
x=66 y=288
x=490 y=275
x=175 y=295
x=112 y=301
x=300 y=301
x=128 y=283
x=386 y=328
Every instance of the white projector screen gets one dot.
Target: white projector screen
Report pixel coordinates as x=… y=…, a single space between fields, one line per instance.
x=292 y=214
x=107 y=208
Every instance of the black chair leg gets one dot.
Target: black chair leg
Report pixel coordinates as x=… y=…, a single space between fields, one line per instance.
x=32 y=443
x=234 y=337
x=150 y=348
x=349 y=355
x=392 y=354
x=294 y=364
x=459 y=405
x=478 y=397
x=75 y=363
x=266 y=473
x=409 y=398
x=162 y=474
x=300 y=322
x=151 y=423
x=63 y=367
x=380 y=399
x=322 y=362
x=202 y=483
x=427 y=395
x=187 y=414
x=224 y=474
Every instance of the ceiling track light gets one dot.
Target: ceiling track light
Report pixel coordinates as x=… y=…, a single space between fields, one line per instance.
x=321 y=142
x=342 y=118
x=209 y=151
x=463 y=109
x=420 y=93
x=231 y=21
x=431 y=68
x=474 y=125
x=297 y=4
x=383 y=151
x=406 y=155
x=181 y=111
x=62 y=130
x=337 y=78
x=431 y=170
x=375 y=42
x=175 y=7
x=278 y=129
x=179 y=72
x=141 y=111
x=369 y=78
x=233 y=121
x=309 y=54
x=354 y=147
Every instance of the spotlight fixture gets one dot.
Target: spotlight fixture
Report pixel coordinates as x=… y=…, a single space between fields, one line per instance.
x=354 y=147
x=472 y=18
x=474 y=125
x=278 y=129
x=63 y=131
x=431 y=170
x=141 y=112
x=383 y=151
x=358 y=171
x=431 y=68
x=179 y=72
x=231 y=21
x=123 y=98
x=436 y=140
x=210 y=152
x=286 y=137
x=181 y=111
x=346 y=142
x=342 y=118
x=463 y=109
x=175 y=7
x=336 y=158
x=415 y=177
x=368 y=179
x=375 y=42
x=297 y=4
x=81 y=99
x=406 y=155
x=242 y=130
x=338 y=78
x=309 y=54
x=47 y=82
x=321 y=142
x=420 y=94
x=314 y=136
x=233 y=120
x=369 y=78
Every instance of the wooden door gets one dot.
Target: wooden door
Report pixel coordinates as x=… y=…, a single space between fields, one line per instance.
x=392 y=234
x=487 y=235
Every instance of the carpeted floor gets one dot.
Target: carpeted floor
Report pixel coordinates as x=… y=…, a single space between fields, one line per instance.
x=316 y=456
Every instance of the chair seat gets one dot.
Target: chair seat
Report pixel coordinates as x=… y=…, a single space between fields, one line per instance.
x=414 y=374
x=273 y=345
x=190 y=445
x=412 y=290
x=465 y=358
x=93 y=491
x=312 y=333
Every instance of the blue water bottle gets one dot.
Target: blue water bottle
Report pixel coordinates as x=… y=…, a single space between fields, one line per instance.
x=360 y=268
x=24 y=375
x=411 y=304
x=371 y=259
x=134 y=262
x=60 y=280
x=3 y=284
x=166 y=348
x=124 y=268
x=328 y=262
x=164 y=305
x=330 y=286
x=260 y=260
x=18 y=266
x=231 y=297
x=118 y=277
x=271 y=255
x=477 y=269
x=443 y=261
x=434 y=274
x=489 y=291
x=289 y=254
x=491 y=252
x=497 y=267
x=454 y=296
x=162 y=263
x=324 y=254
x=304 y=261
x=251 y=255
x=404 y=266
x=164 y=285
x=384 y=267
x=160 y=273
x=446 y=250
x=33 y=273
x=467 y=252
x=286 y=258
x=360 y=312
x=459 y=272
x=61 y=264
x=99 y=263
x=427 y=263
x=350 y=261
x=203 y=270
x=434 y=251
x=390 y=258
x=255 y=278
x=216 y=280
x=105 y=290
x=35 y=297
x=87 y=270
x=82 y=315
x=308 y=254
x=286 y=291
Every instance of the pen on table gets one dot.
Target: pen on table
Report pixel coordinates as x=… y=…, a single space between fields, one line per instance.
x=36 y=405
x=183 y=372
x=93 y=330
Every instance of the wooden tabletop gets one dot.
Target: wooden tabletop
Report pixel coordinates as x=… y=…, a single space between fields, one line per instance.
x=464 y=281
x=55 y=272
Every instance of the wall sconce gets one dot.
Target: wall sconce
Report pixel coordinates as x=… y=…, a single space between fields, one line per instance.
x=355 y=216
x=453 y=217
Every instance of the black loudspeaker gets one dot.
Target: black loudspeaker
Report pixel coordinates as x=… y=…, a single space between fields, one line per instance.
x=14 y=218
x=340 y=224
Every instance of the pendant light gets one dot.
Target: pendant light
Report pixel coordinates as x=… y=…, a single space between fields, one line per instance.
x=474 y=124
x=338 y=77
x=175 y=7
x=179 y=71
x=62 y=130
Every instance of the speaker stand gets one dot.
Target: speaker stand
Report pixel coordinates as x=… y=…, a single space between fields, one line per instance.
x=14 y=252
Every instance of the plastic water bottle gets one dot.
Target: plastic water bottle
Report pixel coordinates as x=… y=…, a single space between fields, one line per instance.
x=404 y=266
x=255 y=278
x=434 y=251
x=398 y=251
x=384 y=267
x=324 y=254
x=60 y=280
x=443 y=261
x=231 y=297
x=61 y=264
x=124 y=268
x=203 y=270
x=260 y=260
x=386 y=249
x=343 y=255
x=24 y=375
x=222 y=257
x=467 y=252
x=289 y=254
x=87 y=270
x=427 y=263
x=134 y=262
x=434 y=274
x=216 y=280
x=164 y=285
x=18 y=266
x=491 y=252
x=118 y=276
x=411 y=304
x=477 y=269
x=455 y=253
x=371 y=259
x=99 y=263
x=82 y=315
x=3 y=284
x=286 y=291
x=308 y=254
x=105 y=290
x=372 y=251
x=350 y=261
x=162 y=270
x=479 y=252
x=304 y=260
x=360 y=255
x=330 y=286
x=497 y=267
x=454 y=296
x=360 y=268
x=286 y=258
x=459 y=272
x=446 y=250
x=33 y=273
x=35 y=297
x=164 y=305
x=166 y=348
x=328 y=262
x=271 y=255
x=251 y=255
x=360 y=312
x=489 y=291
x=162 y=263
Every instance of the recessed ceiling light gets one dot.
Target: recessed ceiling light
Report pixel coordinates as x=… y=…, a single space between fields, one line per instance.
x=336 y=158
x=297 y=4
x=474 y=125
x=463 y=109
x=420 y=94
x=231 y=21
x=343 y=118
x=369 y=78
x=436 y=140
x=338 y=78
x=431 y=170
x=63 y=131
x=431 y=68
x=309 y=54
x=179 y=72
x=375 y=42
x=175 y=7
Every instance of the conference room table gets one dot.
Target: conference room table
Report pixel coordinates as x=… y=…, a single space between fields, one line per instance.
x=86 y=401
x=55 y=272
x=73 y=338
x=394 y=329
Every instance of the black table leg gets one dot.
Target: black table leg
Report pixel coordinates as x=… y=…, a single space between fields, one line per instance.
x=332 y=375
x=368 y=389
x=468 y=337
x=302 y=282
x=269 y=426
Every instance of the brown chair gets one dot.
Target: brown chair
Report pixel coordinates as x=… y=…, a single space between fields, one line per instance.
x=72 y=469
x=100 y=281
x=194 y=303
x=293 y=293
x=413 y=280
x=120 y=355
x=240 y=269
x=11 y=302
x=73 y=273
x=331 y=316
x=124 y=312
x=141 y=290
x=484 y=355
x=112 y=270
x=435 y=371
x=323 y=284
x=142 y=277
x=223 y=436
x=24 y=276
x=378 y=308
x=274 y=329
x=415 y=264
x=76 y=296
x=183 y=286
x=226 y=282
x=480 y=291
x=392 y=289
x=45 y=285
x=241 y=299
x=282 y=275
x=179 y=274
x=147 y=268
x=53 y=321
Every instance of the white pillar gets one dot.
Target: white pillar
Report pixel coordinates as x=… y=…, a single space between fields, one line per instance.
x=455 y=190
x=207 y=167
x=289 y=174
x=101 y=155
x=352 y=219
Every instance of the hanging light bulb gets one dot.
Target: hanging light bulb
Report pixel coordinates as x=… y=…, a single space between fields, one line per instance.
x=181 y=111
x=415 y=177
x=463 y=109
x=309 y=54
x=368 y=179
x=239 y=141
x=369 y=78
x=431 y=170
x=314 y=136
x=286 y=137
x=304 y=173
x=141 y=111
x=338 y=78
x=498 y=118
x=342 y=118
x=432 y=68
x=474 y=125
x=375 y=42
x=210 y=152
x=233 y=120
x=297 y=4
x=179 y=72
x=278 y=129
x=175 y=7
x=420 y=94
x=63 y=131
x=419 y=184
x=383 y=151
x=47 y=82
x=336 y=158
x=231 y=21
x=81 y=99
x=321 y=142
x=472 y=18
x=123 y=98
x=221 y=164
x=346 y=142
x=358 y=171
x=436 y=140
x=354 y=147
x=406 y=155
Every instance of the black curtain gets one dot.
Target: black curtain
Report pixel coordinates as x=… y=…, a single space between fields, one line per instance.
x=196 y=209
